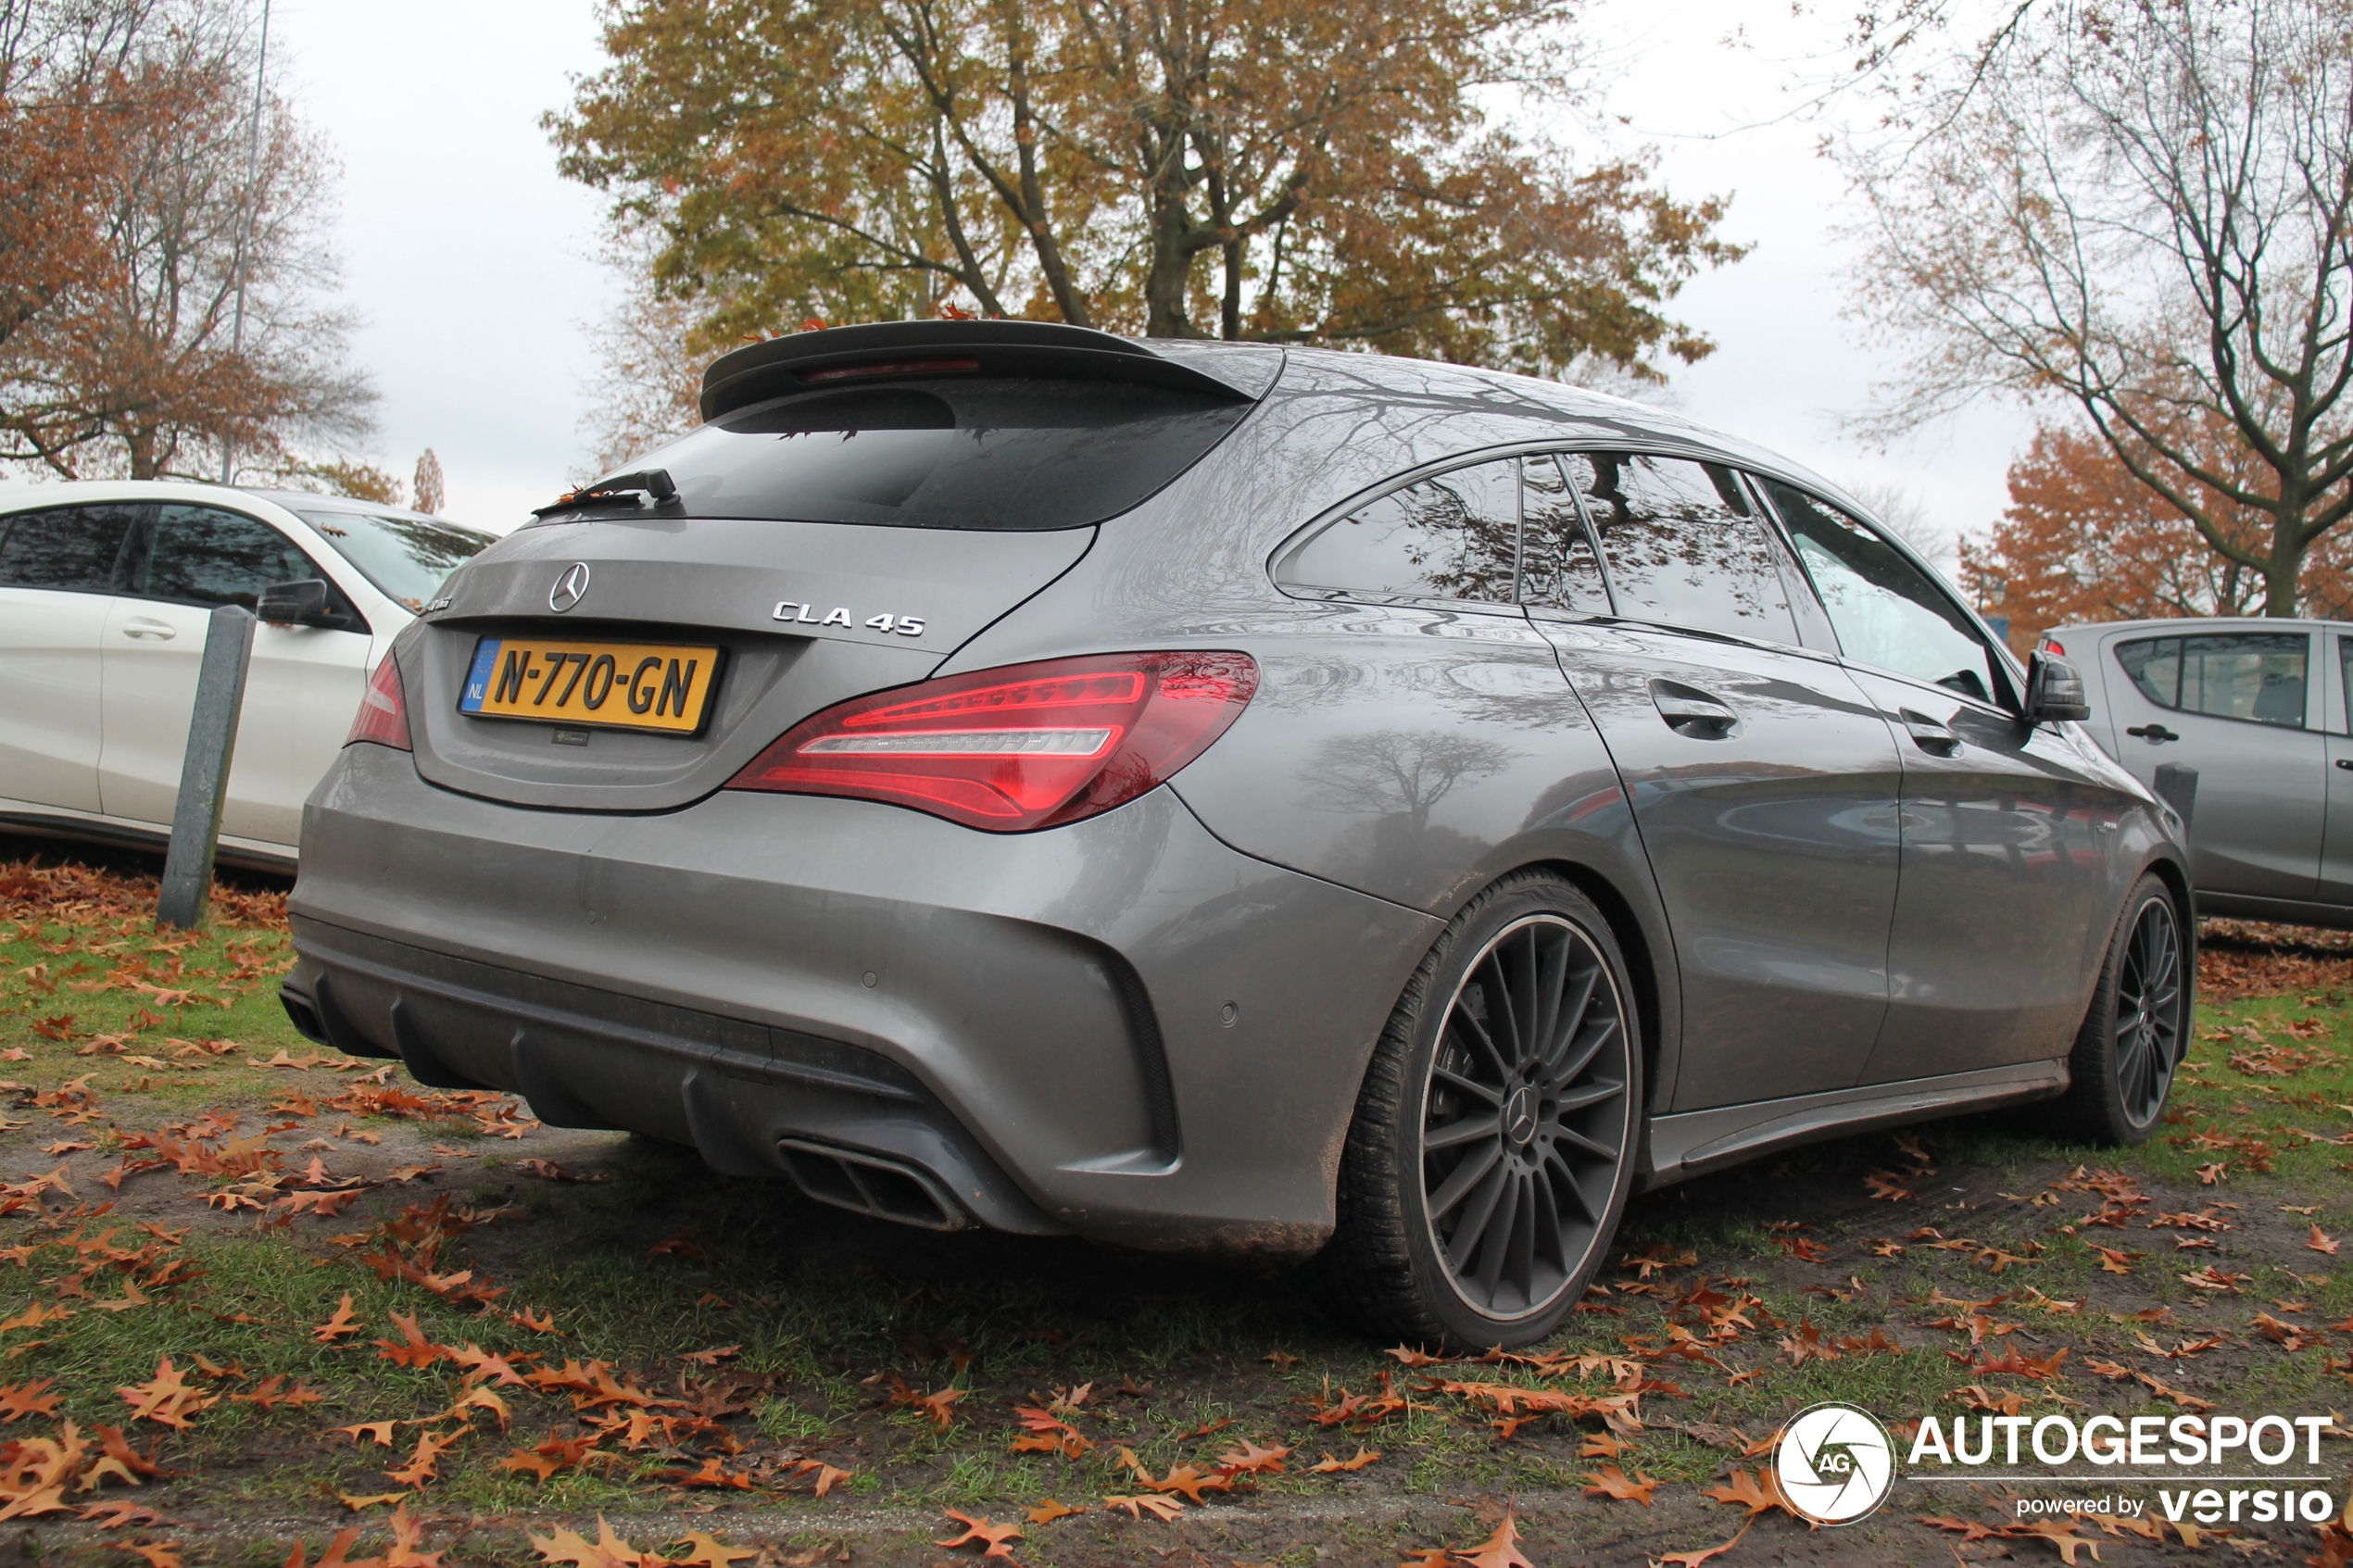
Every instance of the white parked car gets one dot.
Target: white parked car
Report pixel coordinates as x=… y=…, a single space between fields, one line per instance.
x=106 y=589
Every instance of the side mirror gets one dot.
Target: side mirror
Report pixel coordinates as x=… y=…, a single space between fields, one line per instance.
x=296 y=604
x=2054 y=691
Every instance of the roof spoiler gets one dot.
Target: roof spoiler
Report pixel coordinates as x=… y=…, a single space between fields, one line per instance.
x=847 y=355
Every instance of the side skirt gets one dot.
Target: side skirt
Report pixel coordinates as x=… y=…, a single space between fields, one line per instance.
x=125 y=836
x=1696 y=1142
x=2293 y=912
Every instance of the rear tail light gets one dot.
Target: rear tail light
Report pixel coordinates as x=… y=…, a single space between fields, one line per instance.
x=382 y=717
x=1030 y=746
x=2056 y=648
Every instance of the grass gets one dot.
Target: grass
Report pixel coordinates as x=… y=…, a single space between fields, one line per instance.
x=780 y=1337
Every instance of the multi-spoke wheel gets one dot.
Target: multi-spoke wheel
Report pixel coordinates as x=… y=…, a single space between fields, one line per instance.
x=2149 y=1011
x=1494 y=1141
x=1523 y=1116
x=2132 y=1040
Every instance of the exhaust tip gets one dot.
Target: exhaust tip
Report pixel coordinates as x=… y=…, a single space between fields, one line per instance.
x=872 y=1184
x=303 y=1016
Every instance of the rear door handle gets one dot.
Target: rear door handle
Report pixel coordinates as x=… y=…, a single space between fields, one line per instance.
x=2345 y=762
x=1688 y=711
x=2151 y=731
x=140 y=626
x=1930 y=735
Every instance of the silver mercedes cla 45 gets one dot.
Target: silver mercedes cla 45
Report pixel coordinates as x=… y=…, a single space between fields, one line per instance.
x=1214 y=795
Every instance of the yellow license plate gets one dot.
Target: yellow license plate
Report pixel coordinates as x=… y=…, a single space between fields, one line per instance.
x=609 y=685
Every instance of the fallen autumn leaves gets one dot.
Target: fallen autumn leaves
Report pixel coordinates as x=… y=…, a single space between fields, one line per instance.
x=463 y=1385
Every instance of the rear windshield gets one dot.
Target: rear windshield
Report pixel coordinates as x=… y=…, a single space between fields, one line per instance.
x=972 y=452
x=404 y=556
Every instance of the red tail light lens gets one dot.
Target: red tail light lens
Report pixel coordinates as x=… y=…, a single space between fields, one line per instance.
x=2056 y=648
x=1030 y=746
x=382 y=718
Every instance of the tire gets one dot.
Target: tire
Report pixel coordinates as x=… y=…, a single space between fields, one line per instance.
x=2121 y=1068
x=1543 y=1175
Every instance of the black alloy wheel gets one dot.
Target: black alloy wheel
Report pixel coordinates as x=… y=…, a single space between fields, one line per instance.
x=2121 y=1068
x=1524 y=1117
x=1495 y=1136
x=2149 y=1011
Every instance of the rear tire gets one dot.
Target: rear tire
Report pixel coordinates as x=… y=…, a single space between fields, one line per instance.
x=1494 y=1141
x=2135 y=1035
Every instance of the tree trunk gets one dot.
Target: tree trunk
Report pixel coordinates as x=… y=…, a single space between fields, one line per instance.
x=1032 y=211
x=2282 y=573
x=1166 y=281
x=1230 y=316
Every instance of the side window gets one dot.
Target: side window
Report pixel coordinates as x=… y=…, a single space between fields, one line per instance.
x=75 y=549
x=1454 y=536
x=1558 y=569
x=2153 y=664
x=2258 y=676
x=1886 y=611
x=1682 y=545
x=203 y=556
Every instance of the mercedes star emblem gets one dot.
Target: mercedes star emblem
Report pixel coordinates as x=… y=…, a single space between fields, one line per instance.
x=569 y=587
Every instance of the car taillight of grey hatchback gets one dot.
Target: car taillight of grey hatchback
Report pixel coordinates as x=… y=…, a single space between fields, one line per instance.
x=1027 y=745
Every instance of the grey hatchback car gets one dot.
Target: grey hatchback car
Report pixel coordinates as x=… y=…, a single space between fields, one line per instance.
x=1214 y=795
x=2241 y=726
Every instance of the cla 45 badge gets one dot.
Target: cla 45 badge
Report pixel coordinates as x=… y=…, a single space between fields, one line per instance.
x=806 y=615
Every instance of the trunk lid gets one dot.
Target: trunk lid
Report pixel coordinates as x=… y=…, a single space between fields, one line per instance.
x=796 y=610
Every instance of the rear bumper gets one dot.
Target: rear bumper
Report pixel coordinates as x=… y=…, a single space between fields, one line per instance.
x=738 y=1092
x=1035 y=1025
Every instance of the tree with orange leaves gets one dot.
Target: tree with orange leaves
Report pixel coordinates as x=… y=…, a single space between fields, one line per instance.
x=129 y=135
x=2143 y=209
x=60 y=145
x=1280 y=170
x=2083 y=539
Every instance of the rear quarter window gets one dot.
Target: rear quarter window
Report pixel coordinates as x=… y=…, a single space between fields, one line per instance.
x=1450 y=536
x=966 y=453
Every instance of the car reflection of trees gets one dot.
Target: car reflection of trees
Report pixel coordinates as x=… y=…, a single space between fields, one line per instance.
x=1650 y=527
x=1558 y=570
x=1400 y=775
x=1388 y=785
x=1481 y=686
x=1458 y=548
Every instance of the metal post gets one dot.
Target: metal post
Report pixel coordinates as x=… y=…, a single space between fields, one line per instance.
x=204 y=774
x=245 y=231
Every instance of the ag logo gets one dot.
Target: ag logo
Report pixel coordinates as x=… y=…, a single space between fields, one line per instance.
x=1835 y=1464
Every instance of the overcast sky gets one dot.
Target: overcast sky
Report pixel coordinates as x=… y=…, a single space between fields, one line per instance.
x=470 y=261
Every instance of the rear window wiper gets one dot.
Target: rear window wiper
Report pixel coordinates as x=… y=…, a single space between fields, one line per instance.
x=655 y=485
